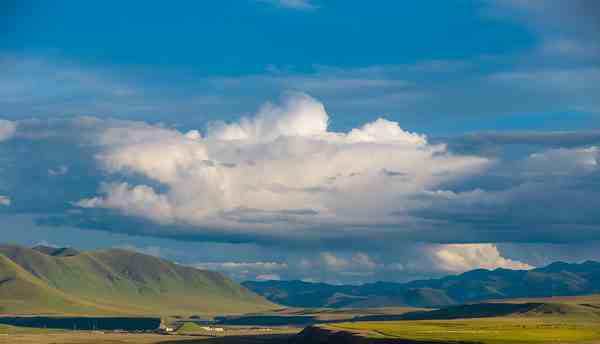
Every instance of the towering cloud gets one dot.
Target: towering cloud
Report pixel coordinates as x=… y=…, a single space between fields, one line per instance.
x=275 y=172
x=283 y=176
x=367 y=202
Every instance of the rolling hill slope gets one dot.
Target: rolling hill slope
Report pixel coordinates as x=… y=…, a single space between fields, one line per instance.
x=21 y=292
x=557 y=279
x=122 y=282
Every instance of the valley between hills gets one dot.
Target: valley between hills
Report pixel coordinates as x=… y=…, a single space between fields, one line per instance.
x=61 y=295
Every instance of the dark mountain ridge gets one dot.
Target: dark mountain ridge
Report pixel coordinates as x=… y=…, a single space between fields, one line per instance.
x=556 y=279
x=56 y=251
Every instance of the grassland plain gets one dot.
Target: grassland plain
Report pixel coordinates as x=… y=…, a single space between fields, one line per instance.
x=562 y=321
x=40 y=336
x=89 y=338
x=489 y=330
x=115 y=282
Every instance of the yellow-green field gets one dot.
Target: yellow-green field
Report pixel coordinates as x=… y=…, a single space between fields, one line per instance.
x=87 y=337
x=500 y=330
x=93 y=338
x=11 y=330
x=187 y=334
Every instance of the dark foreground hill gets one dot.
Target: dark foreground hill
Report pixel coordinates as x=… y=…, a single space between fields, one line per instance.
x=557 y=279
x=60 y=281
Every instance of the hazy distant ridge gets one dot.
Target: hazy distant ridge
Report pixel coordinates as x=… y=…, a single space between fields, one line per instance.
x=557 y=279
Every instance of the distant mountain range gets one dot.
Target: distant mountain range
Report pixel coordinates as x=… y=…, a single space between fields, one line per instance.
x=47 y=280
x=557 y=279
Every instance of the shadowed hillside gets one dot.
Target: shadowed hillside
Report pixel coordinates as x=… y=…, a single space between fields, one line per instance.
x=118 y=281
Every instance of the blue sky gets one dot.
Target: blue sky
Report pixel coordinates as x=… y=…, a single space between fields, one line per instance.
x=485 y=105
x=245 y=37
x=435 y=62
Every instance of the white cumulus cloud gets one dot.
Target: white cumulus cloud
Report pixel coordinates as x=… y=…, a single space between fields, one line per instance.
x=277 y=171
x=59 y=171
x=243 y=266
x=333 y=262
x=299 y=115
x=464 y=257
x=247 y=270
x=268 y=277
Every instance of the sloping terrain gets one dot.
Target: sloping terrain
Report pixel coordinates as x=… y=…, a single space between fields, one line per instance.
x=23 y=293
x=557 y=279
x=128 y=282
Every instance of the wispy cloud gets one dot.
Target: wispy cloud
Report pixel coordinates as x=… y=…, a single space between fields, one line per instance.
x=292 y=4
x=567 y=28
x=435 y=90
x=247 y=270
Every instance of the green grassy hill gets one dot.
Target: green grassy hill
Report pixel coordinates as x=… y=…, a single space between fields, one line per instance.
x=121 y=282
x=21 y=292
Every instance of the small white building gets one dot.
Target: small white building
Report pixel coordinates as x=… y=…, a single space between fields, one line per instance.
x=213 y=329
x=163 y=328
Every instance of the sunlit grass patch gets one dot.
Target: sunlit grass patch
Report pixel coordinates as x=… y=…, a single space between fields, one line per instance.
x=488 y=330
